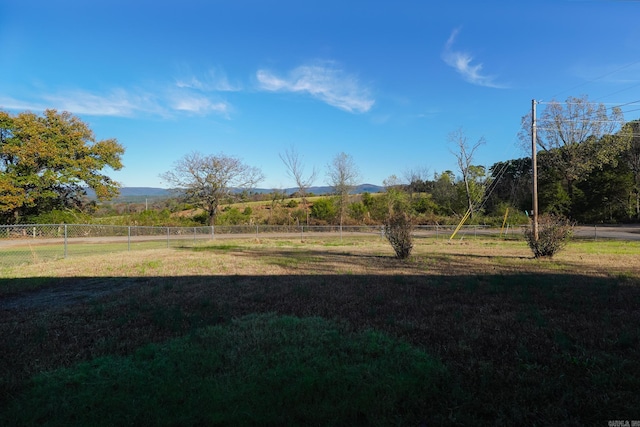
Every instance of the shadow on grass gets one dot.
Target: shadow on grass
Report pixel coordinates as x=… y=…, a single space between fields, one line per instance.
x=519 y=348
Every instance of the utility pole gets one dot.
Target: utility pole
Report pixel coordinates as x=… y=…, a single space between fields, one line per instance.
x=534 y=167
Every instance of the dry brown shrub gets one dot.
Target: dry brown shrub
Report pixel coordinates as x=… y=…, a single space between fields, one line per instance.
x=398 y=230
x=553 y=234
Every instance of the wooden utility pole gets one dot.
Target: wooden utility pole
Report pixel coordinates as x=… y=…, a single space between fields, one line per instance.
x=534 y=167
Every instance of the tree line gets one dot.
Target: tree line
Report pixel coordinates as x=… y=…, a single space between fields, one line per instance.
x=588 y=171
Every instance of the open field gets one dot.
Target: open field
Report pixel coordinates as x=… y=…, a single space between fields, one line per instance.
x=494 y=336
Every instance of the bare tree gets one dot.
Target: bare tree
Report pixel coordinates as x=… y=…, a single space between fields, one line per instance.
x=464 y=156
x=295 y=169
x=343 y=176
x=207 y=180
x=416 y=178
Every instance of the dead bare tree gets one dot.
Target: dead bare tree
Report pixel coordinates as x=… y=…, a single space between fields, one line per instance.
x=343 y=176
x=464 y=157
x=207 y=180
x=295 y=169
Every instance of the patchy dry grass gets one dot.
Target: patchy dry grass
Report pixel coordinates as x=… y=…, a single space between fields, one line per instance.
x=525 y=341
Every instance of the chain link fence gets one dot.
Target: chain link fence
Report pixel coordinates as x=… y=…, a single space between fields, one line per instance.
x=23 y=244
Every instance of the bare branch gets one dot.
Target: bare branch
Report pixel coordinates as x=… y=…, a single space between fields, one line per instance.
x=207 y=180
x=295 y=169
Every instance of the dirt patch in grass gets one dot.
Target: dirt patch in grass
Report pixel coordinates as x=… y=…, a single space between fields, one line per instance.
x=527 y=341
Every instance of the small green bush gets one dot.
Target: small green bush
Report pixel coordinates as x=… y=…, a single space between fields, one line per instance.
x=553 y=234
x=324 y=209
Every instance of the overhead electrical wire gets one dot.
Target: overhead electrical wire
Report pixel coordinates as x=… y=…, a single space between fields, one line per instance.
x=598 y=78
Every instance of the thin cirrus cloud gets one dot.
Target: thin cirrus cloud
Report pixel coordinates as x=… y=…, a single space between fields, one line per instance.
x=214 y=80
x=122 y=103
x=323 y=81
x=461 y=62
x=199 y=104
x=117 y=102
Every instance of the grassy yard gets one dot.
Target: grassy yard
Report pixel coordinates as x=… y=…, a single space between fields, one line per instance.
x=329 y=332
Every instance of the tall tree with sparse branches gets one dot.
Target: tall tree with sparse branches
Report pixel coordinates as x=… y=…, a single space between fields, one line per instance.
x=207 y=180
x=343 y=176
x=295 y=169
x=464 y=155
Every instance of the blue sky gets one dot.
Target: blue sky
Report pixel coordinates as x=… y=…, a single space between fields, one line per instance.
x=384 y=81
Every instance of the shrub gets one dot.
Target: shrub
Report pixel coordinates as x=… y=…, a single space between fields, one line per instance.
x=398 y=229
x=57 y=216
x=323 y=209
x=357 y=211
x=553 y=234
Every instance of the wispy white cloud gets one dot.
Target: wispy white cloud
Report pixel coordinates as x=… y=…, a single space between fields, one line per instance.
x=199 y=104
x=122 y=103
x=117 y=102
x=324 y=81
x=461 y=62
x=12 y=104
x=214 y=80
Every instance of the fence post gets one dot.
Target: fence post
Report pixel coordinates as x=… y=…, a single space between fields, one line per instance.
x=212 y=232
x=595 y=232
x=256 y=231
x=65 y=241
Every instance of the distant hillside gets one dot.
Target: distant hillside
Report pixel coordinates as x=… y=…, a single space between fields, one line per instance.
x=131 y=194
x=322 y=190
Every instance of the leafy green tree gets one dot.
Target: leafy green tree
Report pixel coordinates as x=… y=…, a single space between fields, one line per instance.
x=579 y=136
x=511 y=185
x=604 y=195
x=632 y=157
x=367 y=199
x=324 y=209
x=553 y=197
x=395 y=195
x=48 y=161
x=423 y=204
x=357 y=211
x=445 y=194
x=232 y=216
x=208 y=180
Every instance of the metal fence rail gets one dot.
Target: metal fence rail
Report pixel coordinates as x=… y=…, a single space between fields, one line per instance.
x=23 y=244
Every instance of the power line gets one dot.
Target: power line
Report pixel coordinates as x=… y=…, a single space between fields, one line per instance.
x=597 y=78
x=617 y=92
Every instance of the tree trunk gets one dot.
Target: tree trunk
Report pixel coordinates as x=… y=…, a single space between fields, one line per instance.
x=212 y=210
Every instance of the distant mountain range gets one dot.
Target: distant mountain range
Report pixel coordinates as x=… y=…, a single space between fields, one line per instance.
x=139 y=193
